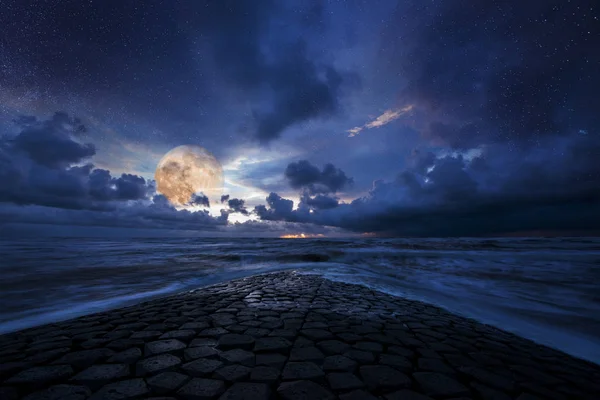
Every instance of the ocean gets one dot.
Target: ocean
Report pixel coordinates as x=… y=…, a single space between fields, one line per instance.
x=544 y=289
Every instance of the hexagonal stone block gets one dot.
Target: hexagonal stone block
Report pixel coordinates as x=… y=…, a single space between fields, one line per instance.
x=128 y=356
x=303 y=390
x=361 y=395
x=257 y=332
x=272 y=344
x=489 y=393
x=183 y=334
x=489 y=378
x=118 y=334
x=84 y=358
x=100 y=374
x=122 y=390
x=195 y=326
x=306 y=354
x=315 y=325
x=317 y=334
x=194 y=353
x=40 y=376
x=213 y=332
x=251 y=322
x=378 y=377
x=349 y=337
x=397 y=362
x=271 y=359
x=361 y=356
x=234 y=340
x=201 y=367
x=233 y=373
x=301 y=341
x=45 y=356
x=247 y=391
x=332 y=347
x=434 y=365
x=438 y=385
x=236 y=328
x=49 y=345
x=201 y=389
x=204 y=341
x=301 y=370
x=155 y=364
x=146 y=335
x=339 y=363
x=166 y=382
x=264 y=374
x=406 y=394
x=400 y=351
x=344 y=381
x=60 y=392
x=124 y=344
x=239 y=356
x=163 y=346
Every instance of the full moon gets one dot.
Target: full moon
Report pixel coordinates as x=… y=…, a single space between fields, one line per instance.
x=187 y=170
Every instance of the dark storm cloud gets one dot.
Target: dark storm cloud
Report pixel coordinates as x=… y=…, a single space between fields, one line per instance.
x=224 y=198
x=39 y=164
x=502 y=190
x=158 y=214
x=279 y=209
x=200 y=200
x=304 y=175
x=237 y=205
x=49 y=142
x=189 y=52
x=41 y=178
x=319 y=202
x=300 y=98
x=497 y=72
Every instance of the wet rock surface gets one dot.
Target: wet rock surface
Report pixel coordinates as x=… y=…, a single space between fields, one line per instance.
x=284 y=336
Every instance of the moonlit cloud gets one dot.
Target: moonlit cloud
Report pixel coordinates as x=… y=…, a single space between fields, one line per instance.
x=384 y=119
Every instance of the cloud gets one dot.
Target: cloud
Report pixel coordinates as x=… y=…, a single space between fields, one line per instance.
x=38 y=165
x=156 y=214
x=304 y=175
x=384 y=119
x=293 y=84
x=279 y=209
x=200 y=200
x=237 y=205
x=224 y=198
x=301 y=98
x=501 y=190
x=52 y=142
x=318 y=202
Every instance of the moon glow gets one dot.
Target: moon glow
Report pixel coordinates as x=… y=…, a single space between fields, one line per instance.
x=186 y=170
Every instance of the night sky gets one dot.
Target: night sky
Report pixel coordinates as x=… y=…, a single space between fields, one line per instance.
x=409 y=117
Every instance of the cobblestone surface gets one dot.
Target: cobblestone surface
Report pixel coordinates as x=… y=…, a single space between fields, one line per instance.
x=284 y=336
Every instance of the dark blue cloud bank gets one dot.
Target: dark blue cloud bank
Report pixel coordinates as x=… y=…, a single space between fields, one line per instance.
x=498 y=129
x=48 y=174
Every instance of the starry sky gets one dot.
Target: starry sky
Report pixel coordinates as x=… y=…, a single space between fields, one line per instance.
x=407 y=117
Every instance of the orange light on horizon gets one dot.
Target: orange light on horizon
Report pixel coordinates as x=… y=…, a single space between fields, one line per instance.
x=301 y=236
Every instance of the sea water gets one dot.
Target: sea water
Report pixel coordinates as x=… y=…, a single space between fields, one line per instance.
x=544 y=289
